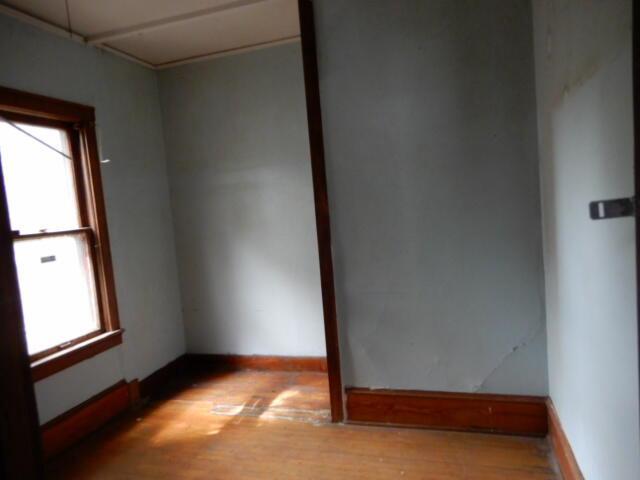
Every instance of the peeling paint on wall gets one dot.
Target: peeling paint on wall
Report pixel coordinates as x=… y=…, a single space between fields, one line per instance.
x=431 y=155
x=585 y=125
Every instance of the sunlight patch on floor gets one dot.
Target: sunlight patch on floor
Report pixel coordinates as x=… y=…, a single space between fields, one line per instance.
x=270 y=412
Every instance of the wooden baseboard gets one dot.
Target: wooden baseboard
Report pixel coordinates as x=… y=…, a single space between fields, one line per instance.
x=469 y=412
x=258 y=362
x=67 y=429
x=161 y=379
x=70 y=427
x=561 y=447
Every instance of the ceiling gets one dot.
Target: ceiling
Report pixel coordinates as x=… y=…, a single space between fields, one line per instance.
x=164 y=33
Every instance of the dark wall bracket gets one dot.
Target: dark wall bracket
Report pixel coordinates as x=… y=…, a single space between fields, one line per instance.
x=616 y=208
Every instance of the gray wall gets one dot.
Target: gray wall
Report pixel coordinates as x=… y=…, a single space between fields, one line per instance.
x=137 y=197
x=429 y=117
x=585 y=123
x=238 y=153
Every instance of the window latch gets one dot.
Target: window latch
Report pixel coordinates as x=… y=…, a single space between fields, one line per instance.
x=64 y=345
x=615 y=208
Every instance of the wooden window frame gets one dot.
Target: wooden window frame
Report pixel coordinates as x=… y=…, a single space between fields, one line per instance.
x=78 y=121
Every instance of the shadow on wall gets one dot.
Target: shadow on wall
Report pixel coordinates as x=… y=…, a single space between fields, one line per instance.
x=243 y=204
x=250 y=285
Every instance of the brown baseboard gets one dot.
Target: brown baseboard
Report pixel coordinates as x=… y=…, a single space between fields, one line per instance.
x=165 y=378
x=70 y=427
x=469 y=412
x=258 y=362
x=67 y=429
x=161 y=379
x=561 y=447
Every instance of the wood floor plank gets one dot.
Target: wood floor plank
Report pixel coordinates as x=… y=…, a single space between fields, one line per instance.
x=185 y=436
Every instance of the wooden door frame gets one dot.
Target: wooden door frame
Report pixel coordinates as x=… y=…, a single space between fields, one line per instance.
x=636 y=148
x=321 y=201
x=20 y=441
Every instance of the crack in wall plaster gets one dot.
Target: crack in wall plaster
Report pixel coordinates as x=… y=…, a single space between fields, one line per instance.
x=523 y=343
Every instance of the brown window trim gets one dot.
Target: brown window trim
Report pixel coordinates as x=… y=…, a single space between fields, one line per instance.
x=49 y=352
x=79 y=122
x=77 y=353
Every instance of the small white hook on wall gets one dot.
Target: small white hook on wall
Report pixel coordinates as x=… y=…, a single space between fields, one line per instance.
x=99 y=141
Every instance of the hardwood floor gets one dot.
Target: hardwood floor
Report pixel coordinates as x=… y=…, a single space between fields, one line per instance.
x=275 y=425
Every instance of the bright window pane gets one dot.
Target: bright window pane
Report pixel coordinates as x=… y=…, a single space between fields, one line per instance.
x=57 y=290
x=38 y=180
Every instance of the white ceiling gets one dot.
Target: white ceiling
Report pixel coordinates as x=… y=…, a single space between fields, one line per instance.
x=163 y=33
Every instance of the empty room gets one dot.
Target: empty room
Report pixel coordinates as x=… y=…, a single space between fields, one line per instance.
x=319 y=239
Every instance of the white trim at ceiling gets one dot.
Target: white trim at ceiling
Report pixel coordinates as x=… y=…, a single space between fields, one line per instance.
x=226 y=53
x=99 y=40
x=70 y=35
x=119 y=33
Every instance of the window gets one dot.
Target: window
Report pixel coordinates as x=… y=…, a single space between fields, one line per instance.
x=51 y=178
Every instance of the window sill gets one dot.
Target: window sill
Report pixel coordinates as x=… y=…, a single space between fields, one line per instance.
x=58 y=361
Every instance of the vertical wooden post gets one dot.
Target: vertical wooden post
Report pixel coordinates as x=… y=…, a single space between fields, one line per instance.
x=20 y=442
x=636 y=148
x=321 y=198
